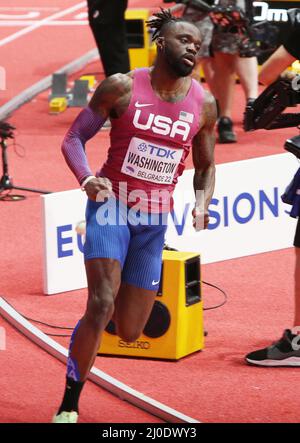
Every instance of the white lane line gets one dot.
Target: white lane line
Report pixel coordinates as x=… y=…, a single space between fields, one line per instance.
x=111 y=384
x=28 y=8
x=31 y=28
x=28 y=15
x=52 y=23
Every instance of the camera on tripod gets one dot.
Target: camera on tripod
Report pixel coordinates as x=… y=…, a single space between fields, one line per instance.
x=266 y=111
x=6 y=184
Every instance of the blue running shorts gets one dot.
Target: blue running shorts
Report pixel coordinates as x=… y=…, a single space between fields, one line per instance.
x=135 y=239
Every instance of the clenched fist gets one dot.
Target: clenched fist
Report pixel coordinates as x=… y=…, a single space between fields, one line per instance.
x=200 y=218
x=98 y=189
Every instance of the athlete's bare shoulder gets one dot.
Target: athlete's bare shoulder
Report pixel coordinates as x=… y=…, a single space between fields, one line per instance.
x=112 y=94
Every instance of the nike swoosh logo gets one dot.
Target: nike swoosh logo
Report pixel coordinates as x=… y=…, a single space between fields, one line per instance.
x=142 y=105
x=154 y=283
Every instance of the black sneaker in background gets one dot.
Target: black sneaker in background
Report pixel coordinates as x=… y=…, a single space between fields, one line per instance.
x=225 y=130
x=284 y=352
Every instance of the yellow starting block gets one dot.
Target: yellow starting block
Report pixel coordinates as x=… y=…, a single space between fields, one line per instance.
x=175 y=327
x=142 y=51
x=91 y=80
x=58 y=105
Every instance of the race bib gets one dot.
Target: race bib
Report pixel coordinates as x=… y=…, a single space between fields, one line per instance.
x=151 y=162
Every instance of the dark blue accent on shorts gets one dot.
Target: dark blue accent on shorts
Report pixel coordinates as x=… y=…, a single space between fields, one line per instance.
x=136 y=240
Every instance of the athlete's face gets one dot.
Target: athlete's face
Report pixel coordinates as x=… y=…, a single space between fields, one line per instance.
x=180 y=45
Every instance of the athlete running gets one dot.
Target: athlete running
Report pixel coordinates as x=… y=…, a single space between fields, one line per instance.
x=158 y=115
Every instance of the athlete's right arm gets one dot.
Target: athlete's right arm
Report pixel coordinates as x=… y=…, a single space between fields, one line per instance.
x=86 y=125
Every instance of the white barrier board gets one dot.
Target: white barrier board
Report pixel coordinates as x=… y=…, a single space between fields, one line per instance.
x=247 y=217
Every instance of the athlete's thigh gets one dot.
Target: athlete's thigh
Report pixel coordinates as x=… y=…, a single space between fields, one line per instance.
x=133 y=307
x=140 y=282
x=105 y=248
x=105 y=236
x=142 y=267
x=103 y=276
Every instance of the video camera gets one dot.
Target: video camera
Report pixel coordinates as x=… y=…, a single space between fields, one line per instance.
x=266 y=111
x=255 y=39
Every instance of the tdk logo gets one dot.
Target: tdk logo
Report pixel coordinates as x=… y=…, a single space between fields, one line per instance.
x=161 y=152
x=142 y=147
x=161 y=125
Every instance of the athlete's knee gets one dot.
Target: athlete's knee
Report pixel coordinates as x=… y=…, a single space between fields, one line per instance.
x=100 y=307
x=128 y=334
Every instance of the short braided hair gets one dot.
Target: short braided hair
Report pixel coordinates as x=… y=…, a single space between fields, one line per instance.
x=162 y=18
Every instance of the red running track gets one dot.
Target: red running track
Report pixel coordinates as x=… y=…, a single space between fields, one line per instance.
x=34 y=55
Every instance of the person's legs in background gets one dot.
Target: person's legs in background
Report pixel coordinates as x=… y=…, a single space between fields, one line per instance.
x=247 y=70
x=225 y=51
x=226 y=48
x=286 y=351
x=204 y=56
x=297 y=277
x=224 y=81
x=107 y=21
x=209 y=70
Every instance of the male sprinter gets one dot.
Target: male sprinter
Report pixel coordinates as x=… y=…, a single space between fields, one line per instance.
x=157 y=116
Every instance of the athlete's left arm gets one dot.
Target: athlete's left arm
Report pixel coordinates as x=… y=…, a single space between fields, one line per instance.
x=204 y=163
